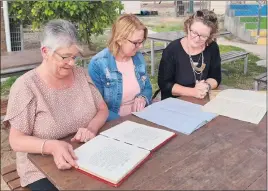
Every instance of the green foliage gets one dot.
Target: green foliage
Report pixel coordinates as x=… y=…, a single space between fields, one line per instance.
x=6 y=85
x=90 y=17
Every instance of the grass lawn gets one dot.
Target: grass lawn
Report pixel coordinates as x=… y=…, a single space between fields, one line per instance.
x=166 y=27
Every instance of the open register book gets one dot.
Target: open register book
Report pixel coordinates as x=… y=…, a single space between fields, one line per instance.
x=244 y=105
x=114 y=154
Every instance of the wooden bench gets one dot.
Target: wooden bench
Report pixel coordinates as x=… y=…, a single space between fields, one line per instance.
x=11 y=177
x=19 y=62
x=156 y=49
x=225 y=57
x=261 y=79
x=233 y=56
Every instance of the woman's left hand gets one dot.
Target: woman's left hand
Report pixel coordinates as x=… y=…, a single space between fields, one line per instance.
x=83 y=135
x=202 y=85
x=139 y=104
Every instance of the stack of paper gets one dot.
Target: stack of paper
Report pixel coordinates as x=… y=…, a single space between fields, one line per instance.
x=179 y=115
x=244 y=105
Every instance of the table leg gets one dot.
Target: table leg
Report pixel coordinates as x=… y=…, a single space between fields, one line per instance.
x=256 y=85
x=152 y=57
x=246 y=64
x=165 y=45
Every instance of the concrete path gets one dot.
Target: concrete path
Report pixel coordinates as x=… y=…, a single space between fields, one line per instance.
x=259 y=50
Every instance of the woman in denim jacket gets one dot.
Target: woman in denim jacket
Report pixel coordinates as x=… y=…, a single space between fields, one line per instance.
x=119 y=71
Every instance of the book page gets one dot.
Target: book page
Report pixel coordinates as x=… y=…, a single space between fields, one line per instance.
x=244 y=96
x=109 y=159
x=172 y=120
x=251 y=107
x=138 y=135
x=176 y=114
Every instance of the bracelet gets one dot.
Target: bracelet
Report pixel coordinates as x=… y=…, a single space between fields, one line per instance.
x=209 y=86
x=42 y=147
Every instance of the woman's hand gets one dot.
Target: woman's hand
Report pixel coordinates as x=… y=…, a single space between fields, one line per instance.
x=83 y=135
x=63 y=154
x=139 y=104
x=200 y=89
x=202 y=85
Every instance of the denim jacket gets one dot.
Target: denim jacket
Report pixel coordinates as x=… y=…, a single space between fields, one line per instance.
x=104 y=73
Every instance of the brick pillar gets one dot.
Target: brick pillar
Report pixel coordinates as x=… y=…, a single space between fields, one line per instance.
x=3 y=34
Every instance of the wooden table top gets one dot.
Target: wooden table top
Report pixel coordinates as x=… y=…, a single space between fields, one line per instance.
x=224 y=154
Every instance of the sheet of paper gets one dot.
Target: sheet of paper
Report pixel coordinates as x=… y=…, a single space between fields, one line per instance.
x=244 y=96
x=179 y=115
x=243 y=105
x=109 y=159
x=138 y=134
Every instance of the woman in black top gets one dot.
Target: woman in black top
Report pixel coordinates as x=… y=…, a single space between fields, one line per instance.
x=191 y=66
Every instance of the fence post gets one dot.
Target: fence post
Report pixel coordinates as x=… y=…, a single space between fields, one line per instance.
x=7 y=26
x=191 y=7
x=259 y=18
x=21 y=37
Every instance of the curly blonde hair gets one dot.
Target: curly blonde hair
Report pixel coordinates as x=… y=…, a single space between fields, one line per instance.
x=122 y=29
x=208 y=18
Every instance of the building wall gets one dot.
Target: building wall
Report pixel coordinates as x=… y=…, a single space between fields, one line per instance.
x=133 y=7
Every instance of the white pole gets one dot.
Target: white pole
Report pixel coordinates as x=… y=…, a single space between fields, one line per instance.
x=7 y=29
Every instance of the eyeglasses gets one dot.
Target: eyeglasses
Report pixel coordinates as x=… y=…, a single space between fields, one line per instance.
x=205 y=16
x=68 y=58
x=137 y=44
x=195 y=34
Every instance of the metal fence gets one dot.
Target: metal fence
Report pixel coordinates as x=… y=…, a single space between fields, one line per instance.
x=16 y=35
x=183 y=8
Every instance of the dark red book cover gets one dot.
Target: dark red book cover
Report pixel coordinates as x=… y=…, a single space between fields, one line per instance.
x=132 y=171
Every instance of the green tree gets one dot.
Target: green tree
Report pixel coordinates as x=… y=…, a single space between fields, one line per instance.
x=90 y=17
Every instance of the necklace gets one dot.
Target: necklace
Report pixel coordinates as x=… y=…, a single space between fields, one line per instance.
x=197 y=70
x=196 y=63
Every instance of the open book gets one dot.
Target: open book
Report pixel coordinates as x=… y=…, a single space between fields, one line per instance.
x=244 y=105
x=114 y=154
x=182 y=116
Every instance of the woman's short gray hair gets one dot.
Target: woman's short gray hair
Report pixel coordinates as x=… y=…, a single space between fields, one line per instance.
x=59 y=33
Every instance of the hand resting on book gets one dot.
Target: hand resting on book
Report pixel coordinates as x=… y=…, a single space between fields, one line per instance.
x=83 y=135
x=63 y=154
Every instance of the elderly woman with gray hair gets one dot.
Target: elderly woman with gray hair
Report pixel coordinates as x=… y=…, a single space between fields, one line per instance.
x=49 y=103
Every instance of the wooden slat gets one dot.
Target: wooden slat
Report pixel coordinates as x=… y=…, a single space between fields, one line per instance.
x=14 y=184
x=264 y=79
x=156 y=49
x=260 y=183
x=8 y=169
x=10 y=176
x=233 y=55
x=22 y=188
x=261 y=76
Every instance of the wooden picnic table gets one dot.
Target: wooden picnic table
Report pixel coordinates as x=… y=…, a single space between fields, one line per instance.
x=224 y=154
x=167 y=37
x=19 y=62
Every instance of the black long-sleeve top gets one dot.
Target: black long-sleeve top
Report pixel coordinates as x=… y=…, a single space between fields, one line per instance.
x=175 y=67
